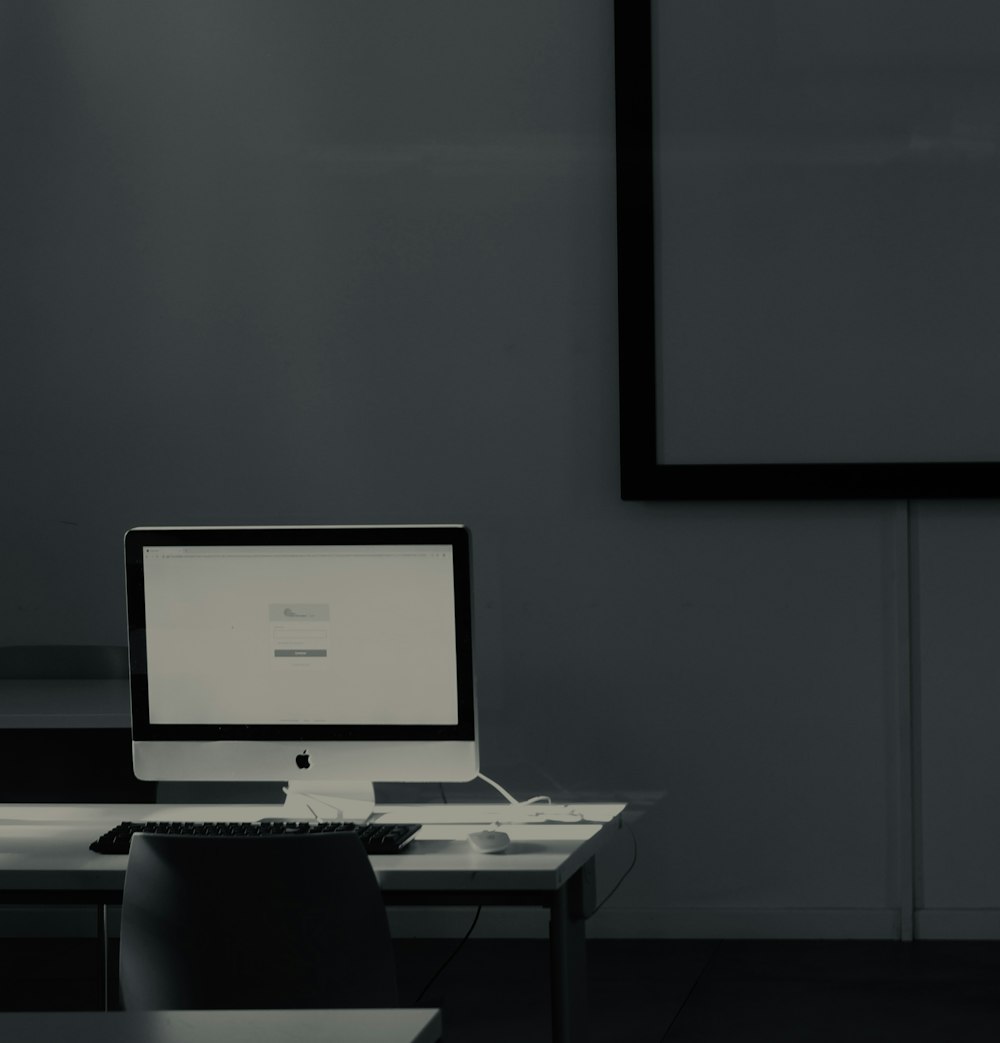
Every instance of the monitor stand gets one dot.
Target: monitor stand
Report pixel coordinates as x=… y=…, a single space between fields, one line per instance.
x=351 y=801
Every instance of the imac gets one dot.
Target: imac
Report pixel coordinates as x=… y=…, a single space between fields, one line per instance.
x=326 y=657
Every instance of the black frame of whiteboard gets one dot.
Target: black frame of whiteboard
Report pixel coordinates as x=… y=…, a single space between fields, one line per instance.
x=643 y=477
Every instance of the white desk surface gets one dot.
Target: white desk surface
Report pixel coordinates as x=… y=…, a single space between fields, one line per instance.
x=398 y=1025
x=46 y=846
x=65 y=704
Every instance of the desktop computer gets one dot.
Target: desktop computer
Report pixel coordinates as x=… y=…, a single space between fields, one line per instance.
x=325 y=657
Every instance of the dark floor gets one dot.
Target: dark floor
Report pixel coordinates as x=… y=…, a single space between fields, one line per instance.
x=678 y=991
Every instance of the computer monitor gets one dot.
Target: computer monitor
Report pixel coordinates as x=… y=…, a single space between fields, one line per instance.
x=330 y=657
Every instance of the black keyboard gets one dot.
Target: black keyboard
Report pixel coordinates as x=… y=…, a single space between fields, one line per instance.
x=377 y=839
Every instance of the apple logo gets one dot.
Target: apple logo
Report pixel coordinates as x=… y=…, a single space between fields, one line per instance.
x=302 y=760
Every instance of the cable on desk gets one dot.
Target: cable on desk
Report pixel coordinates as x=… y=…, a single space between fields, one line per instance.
x=437 y=974
x=509 y=797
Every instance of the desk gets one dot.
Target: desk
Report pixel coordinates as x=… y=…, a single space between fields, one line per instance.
x=83 y=726
x=39 y=703
x=223 y=1026
x=45 y=857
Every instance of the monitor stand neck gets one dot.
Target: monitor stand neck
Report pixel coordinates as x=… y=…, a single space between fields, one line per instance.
x=352 y=801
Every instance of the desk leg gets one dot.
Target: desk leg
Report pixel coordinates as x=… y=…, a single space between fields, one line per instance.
x=568 y=957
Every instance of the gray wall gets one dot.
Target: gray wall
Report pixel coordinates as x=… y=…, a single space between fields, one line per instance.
x=355 y=262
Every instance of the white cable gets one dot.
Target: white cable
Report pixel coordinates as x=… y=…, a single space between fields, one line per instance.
x=496 y=785
x=556 y=815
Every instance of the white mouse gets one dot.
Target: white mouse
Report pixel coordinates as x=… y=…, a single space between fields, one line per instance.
x=489 y=841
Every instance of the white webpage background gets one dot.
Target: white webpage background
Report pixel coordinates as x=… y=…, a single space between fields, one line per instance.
x=390 y=647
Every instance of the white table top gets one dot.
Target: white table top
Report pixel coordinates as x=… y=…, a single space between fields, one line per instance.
x=65 y=704
x=46 y=846
x=398 y=1025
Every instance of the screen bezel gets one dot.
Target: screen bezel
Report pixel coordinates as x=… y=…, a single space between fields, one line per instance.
x=455 y=536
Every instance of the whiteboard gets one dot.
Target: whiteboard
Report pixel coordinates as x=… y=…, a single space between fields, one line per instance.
x=824 y=182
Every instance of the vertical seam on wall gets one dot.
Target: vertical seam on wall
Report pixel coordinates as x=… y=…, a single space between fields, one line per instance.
x=905 y=701
x=914 y=689
x=907 y=609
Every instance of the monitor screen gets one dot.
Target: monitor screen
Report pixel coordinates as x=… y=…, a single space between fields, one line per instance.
x=251 y=647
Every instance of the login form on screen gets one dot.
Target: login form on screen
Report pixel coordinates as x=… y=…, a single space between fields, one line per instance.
x=300 y=634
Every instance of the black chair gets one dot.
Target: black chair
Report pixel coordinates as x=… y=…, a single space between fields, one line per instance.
x=253 y=922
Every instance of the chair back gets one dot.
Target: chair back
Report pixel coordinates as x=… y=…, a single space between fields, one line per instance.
x=253 y=922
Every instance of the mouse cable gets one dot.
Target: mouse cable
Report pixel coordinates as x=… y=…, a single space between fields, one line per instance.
x=437 y=974
x=691 y=991
x=434 y=977
x=631 y=866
